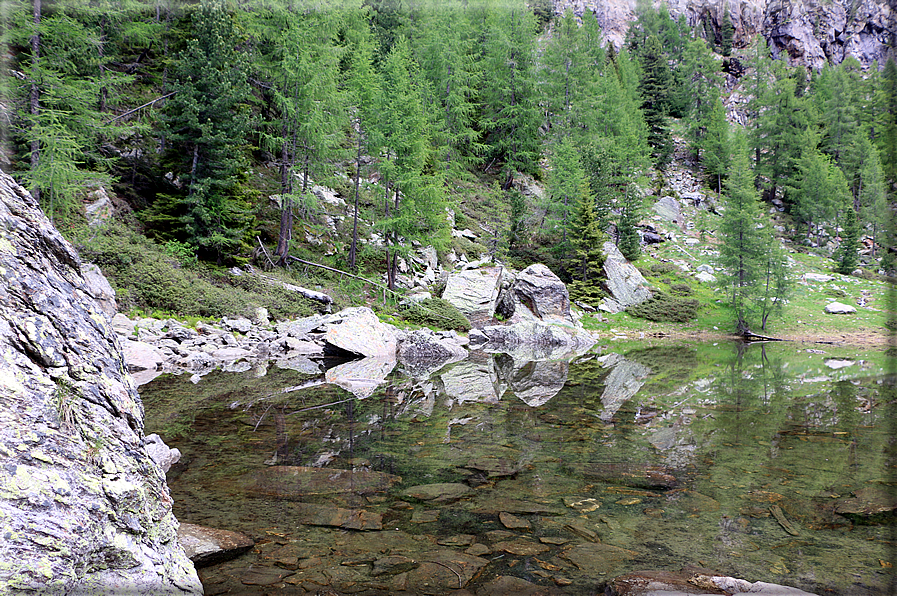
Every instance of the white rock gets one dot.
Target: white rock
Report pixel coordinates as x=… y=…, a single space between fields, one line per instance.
x=705 y=277
x=836 y=308
x=819 y=277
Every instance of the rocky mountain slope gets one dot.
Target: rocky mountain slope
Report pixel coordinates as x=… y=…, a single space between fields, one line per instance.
x=809 y=32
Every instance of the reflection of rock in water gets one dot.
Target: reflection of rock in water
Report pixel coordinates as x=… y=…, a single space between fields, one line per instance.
x=624 y=381
x=473 y=379
x=533 y=382
x=361 y=377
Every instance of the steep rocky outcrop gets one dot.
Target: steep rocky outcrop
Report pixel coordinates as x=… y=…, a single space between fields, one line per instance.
x=85 y=508
x=808 y=32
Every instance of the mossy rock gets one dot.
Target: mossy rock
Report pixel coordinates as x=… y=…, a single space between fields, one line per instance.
x=435 y=312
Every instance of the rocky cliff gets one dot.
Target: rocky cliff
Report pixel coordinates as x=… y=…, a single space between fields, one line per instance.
x=85 y=508
x=808 y=32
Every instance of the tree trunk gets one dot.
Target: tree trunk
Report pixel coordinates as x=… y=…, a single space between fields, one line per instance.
x=35 y=91
x=354 y=247
x=286 y=202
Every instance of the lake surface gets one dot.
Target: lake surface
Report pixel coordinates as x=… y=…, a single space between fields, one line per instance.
x=767 y=462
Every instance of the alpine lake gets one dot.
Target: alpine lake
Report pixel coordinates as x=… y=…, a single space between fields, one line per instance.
x=769 y=462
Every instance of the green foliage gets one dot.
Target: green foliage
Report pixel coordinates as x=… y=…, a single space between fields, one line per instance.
x=664 y=308
x=589 y=292
x=435 y=312
x=510 y=113
x=754 y=276
x=727 y=35
x=206 y=123
x=846 y=256
x=656 y=87
x=145 y=276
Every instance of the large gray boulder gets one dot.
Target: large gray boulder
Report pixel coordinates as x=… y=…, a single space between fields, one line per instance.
x=475 y=293
x=85 y=508
x=624 y=282
x=542 y=293
x=358 y=330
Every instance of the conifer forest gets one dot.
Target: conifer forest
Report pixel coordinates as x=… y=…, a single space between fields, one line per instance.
x=210 y=121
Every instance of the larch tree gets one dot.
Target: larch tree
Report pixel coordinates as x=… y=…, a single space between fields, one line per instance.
x=364 y=86
x=715 y=147
x=754 y=266
x=510 y=114
x=414 y=200
x=310 y=106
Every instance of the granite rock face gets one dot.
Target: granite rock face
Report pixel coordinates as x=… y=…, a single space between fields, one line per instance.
x=806 y=32
x=85 y=508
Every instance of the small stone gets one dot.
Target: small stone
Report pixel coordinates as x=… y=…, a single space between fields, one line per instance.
x=425 y=516
x=478 y=550
x=521 y=547
x=512 y=522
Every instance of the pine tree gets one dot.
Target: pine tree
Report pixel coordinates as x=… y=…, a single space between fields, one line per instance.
x=754 y=275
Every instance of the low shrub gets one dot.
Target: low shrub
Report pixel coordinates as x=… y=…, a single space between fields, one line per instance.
x=680 y=289
x=435 y=312
x=150 y=277
x=663 y=308
x=590 y=293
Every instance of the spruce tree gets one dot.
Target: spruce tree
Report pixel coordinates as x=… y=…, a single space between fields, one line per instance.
x=206 y=124
x=846 y=256
x=656 y=87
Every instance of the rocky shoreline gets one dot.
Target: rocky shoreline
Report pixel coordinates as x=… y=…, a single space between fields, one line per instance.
x=538 y=325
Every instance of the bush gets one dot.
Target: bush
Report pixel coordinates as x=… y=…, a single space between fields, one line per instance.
x=680 y=289
x=151 y=277
x=590 y=293
x=665 y=309
x=434 y=312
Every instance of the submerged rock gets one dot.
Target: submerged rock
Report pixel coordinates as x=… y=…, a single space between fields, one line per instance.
x=295 y=482
x=209 y=546
x=85 y=508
